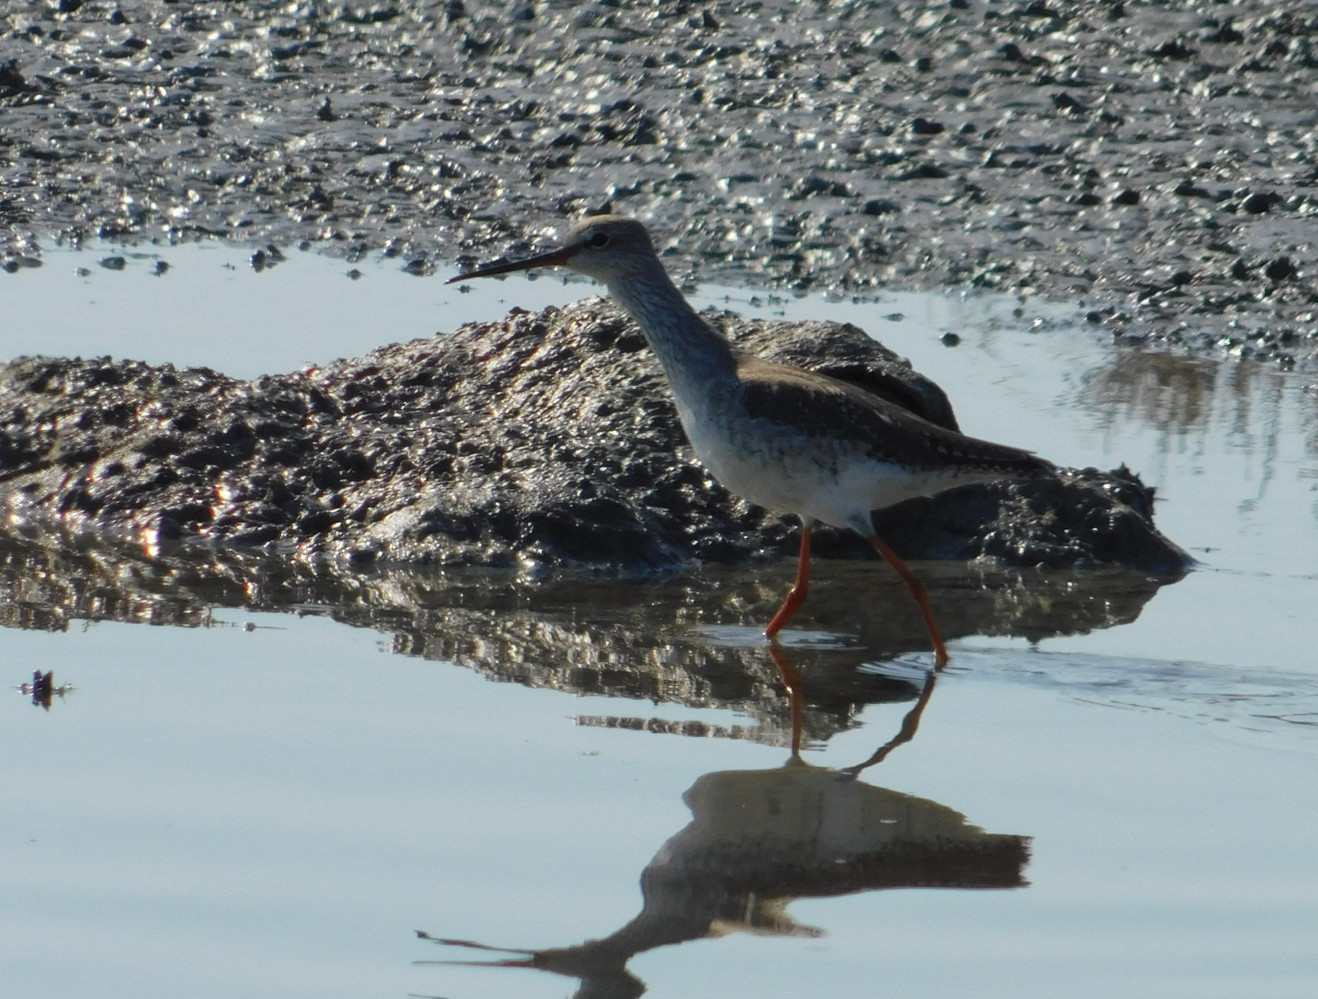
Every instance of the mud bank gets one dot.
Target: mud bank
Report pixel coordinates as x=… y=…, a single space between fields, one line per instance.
x=1157 y=162
x=544 y=440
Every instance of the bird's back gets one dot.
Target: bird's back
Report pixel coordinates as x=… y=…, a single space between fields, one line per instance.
x=802 y=442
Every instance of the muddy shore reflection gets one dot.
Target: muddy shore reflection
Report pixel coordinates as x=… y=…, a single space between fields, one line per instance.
x=760 y=839
x=693 y=639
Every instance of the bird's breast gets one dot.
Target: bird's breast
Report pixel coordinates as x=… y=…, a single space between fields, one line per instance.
x=770 y=465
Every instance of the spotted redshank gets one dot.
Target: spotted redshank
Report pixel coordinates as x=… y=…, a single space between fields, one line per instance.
x=790 y=440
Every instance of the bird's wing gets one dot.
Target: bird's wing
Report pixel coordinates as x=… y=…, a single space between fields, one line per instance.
x=820 y=406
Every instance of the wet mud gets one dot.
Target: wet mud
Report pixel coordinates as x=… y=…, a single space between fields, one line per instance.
x=1157 y=162
x=543 y=441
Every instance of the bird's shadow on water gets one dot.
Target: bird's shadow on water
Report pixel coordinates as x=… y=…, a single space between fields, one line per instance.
x=758 y=839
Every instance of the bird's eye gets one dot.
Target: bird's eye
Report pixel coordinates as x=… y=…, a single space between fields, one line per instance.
x=599 y=240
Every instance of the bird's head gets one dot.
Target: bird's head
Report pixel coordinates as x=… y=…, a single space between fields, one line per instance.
x=605 y=247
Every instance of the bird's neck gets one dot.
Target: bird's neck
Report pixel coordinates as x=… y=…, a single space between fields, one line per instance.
x=696 y=359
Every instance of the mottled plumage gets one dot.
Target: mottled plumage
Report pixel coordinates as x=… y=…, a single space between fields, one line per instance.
x=826 y=408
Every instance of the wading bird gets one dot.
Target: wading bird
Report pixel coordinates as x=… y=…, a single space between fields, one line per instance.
x=786 y=439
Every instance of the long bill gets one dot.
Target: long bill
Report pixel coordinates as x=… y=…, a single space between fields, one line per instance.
x=554 y=258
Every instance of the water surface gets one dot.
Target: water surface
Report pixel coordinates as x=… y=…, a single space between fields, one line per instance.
x=1110 y=792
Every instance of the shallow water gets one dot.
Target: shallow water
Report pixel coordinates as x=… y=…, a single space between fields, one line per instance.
x=272 y=803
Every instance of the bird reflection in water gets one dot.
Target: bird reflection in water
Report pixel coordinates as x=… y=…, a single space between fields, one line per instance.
x=758 y=839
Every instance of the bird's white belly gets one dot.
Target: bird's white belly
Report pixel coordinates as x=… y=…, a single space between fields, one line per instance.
x=819 y=479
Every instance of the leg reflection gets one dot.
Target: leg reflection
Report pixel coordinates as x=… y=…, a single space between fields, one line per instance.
x=910 y=725
x=796 y=693
x=792 y=681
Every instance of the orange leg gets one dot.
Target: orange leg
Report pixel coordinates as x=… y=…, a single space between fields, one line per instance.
x=795 y=693
x=796 y=595
x=921 y=598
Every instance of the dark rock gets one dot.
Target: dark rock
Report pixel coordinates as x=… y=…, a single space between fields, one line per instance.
x=1281 y=269
x=1039 y=9
x=880 y=206
x=1186 y=189
x=811 y=187
x=1175 y=49
x=1065 y=102
x=11 y=80
x=1012 y=53
x=1257 y=204
x=1225 y=34
x=925 y=171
